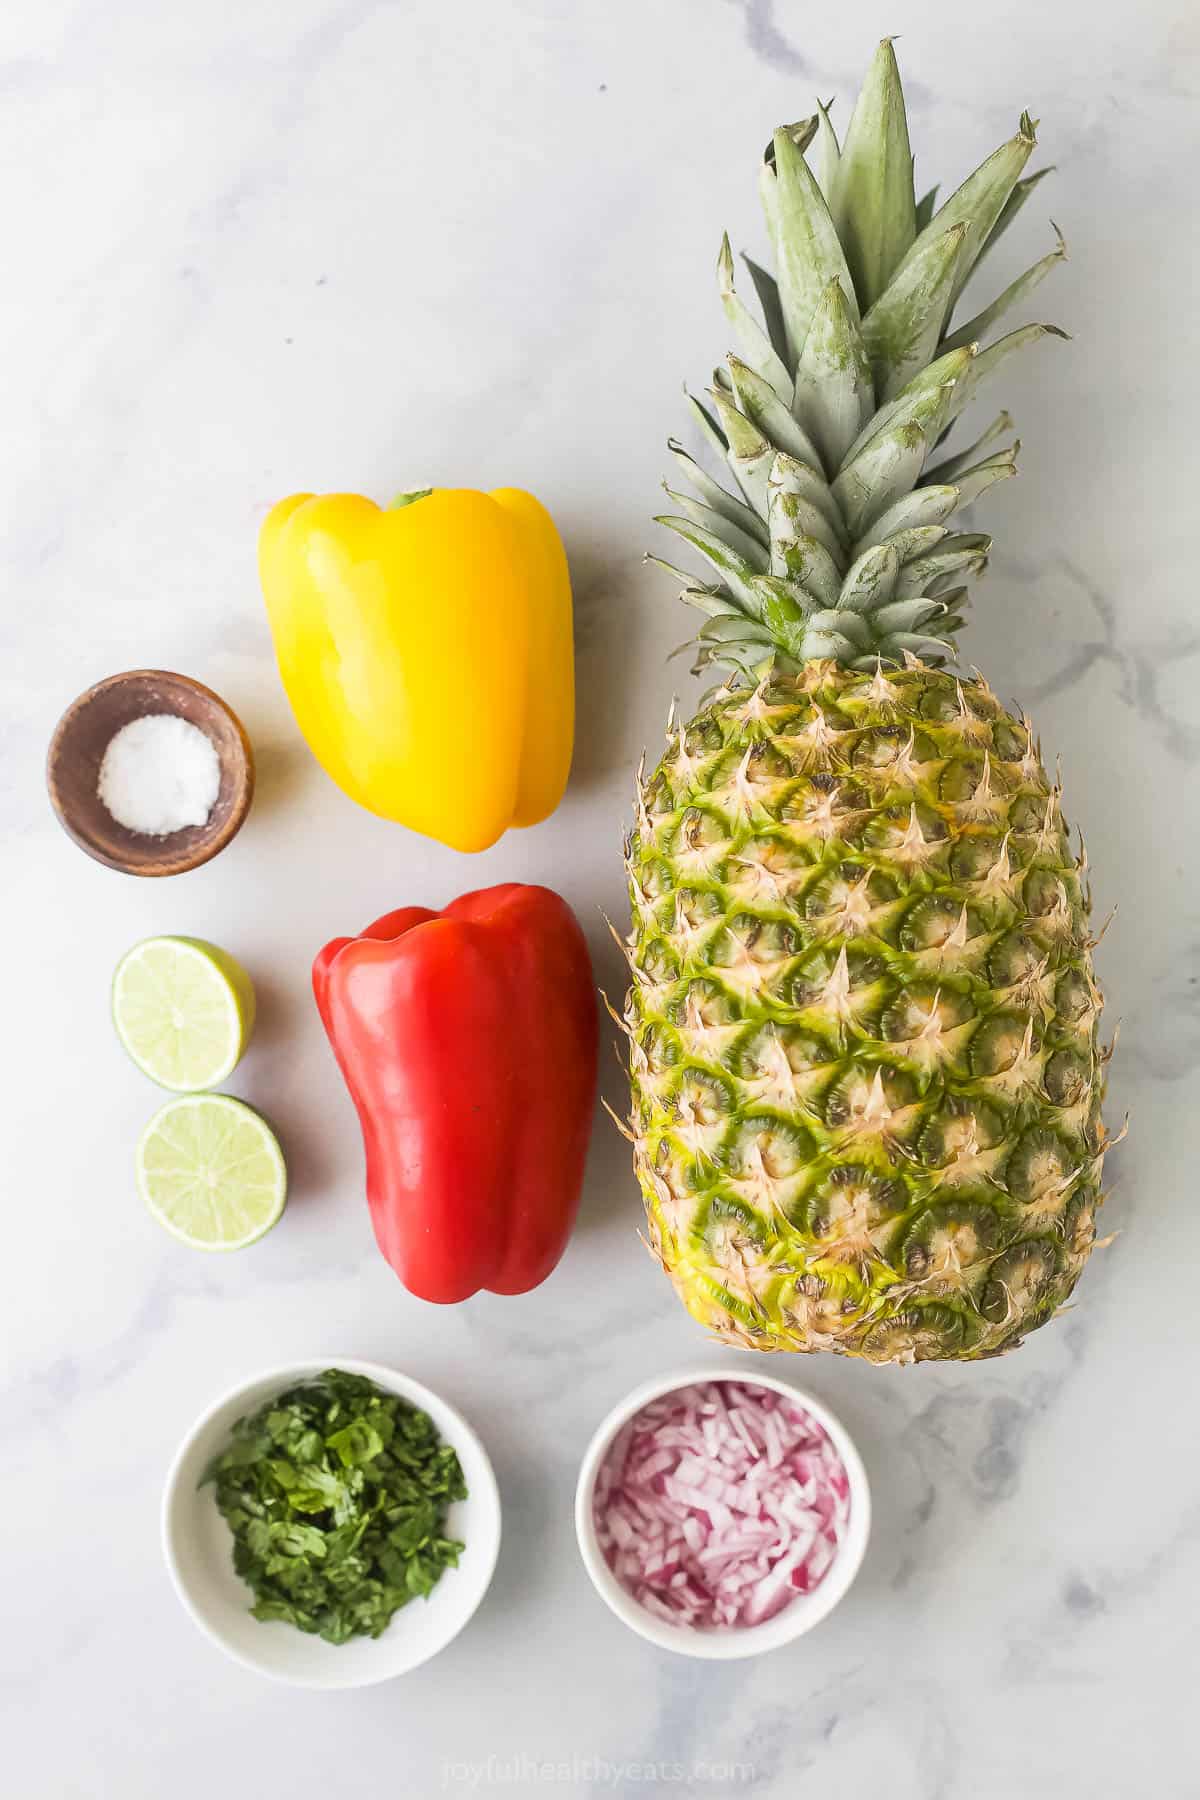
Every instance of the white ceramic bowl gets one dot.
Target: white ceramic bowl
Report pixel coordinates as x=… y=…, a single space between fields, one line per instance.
x=802 y=1613
x=199 y=1548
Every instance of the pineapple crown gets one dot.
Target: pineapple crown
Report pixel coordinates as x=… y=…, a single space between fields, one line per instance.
x=838 y=545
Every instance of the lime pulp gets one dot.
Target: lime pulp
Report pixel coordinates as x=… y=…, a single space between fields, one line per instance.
x=211 y=1171
x=184 y=1011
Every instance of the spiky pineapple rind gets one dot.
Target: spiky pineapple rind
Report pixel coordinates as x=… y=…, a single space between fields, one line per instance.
x=864 y=1022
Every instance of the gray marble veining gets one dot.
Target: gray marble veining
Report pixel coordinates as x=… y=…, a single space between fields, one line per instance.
x=360 y=245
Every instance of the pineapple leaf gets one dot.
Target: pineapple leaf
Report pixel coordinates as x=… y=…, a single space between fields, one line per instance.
x=739 y=630
x=806 y=245
x=807 y=520
x=889 y=464
x=956 y=601
x=989 y=360
x=837 y=540
x=833 y=392
x=980 y=200
x=803 y=560
x=947 y=470
x=925 y=649
x=1013 y=205
x=798 y=478
x=849 y=625
x=751 y=549
x=684 y=576
x=976 y=329
x=873 y=205
x=870 y=580
x=733 y=568
x=712 y=600
x=746 y=659
x=767 y=289
x=709 y=429
x=924 y=506
x=742 y=437
x=937 y=590
x=755 y=343
x=768 y=190
x=965 y=550
x=902 y=329
x=726 y=629
x=887 y=468
x=820 y=645
x=749 y=453
x=715 y=496
x=982 y=475
x=795 y=554
x=782 y=615
x=943 y=373
x=830 y=152
x=906 y=615
x=801 y=133
x=917 y=540
x=763 y=407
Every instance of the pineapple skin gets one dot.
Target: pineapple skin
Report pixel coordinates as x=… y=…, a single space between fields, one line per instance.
x=863 y=1024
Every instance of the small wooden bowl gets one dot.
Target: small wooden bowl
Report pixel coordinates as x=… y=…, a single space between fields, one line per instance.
x=77 y=748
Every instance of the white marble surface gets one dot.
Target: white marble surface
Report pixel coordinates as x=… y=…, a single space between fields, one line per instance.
x=338 y=244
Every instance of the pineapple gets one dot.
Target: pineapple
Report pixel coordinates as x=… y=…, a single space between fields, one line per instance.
x=863 y=1022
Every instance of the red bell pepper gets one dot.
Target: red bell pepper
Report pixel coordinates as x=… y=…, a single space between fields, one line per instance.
x=468 y=1041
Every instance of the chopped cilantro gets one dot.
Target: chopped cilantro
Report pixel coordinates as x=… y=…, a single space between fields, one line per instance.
x=336 y=1494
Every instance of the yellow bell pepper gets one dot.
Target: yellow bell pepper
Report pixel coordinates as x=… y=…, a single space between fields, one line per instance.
x=427 y=653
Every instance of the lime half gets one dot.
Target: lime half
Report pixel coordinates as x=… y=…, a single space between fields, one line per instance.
x=211 y=1170
x=184 y=1011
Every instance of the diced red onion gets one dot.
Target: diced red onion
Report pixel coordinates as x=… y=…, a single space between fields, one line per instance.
x=720 y=1503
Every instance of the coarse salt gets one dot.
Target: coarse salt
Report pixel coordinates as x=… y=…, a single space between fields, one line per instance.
x=159 y=774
